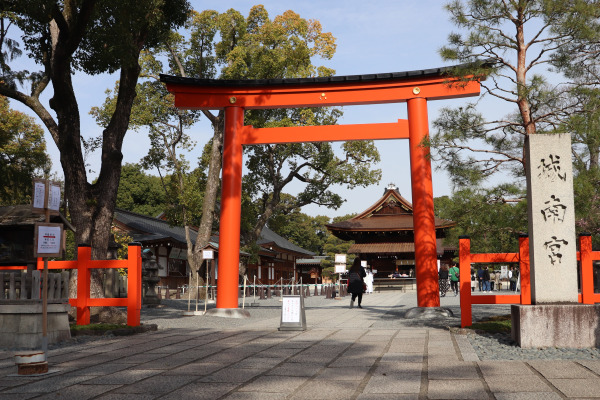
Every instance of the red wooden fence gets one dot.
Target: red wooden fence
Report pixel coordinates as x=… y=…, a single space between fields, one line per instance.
x=586 y=257
x=84 y=264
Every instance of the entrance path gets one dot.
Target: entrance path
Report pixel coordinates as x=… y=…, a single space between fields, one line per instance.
x=369 y=353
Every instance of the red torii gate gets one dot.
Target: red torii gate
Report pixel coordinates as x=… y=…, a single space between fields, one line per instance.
x=234 y=96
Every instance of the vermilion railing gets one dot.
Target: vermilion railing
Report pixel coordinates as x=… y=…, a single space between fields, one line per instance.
x=84 y=264
x=586 y=257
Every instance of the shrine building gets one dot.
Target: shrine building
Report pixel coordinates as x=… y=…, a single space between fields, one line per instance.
x=383 y=235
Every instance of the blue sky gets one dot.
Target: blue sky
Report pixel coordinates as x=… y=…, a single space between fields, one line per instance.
x=372 y=37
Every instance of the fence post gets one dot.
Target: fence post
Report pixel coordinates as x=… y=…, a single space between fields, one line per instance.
x=464 y=271
x=587 y=271
x=84 y=255
x=524 y=269
x=134 y=283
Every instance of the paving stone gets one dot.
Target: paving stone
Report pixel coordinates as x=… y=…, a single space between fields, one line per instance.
x=79 y=392
x=232 y=375
x=517 y=383
x=528 y=396
x=273 y=383
x=452 y=370
x=124 y=377
x=17 y=396
x=126 y=396
x=51 y=384
x=561 y=369
x=593 y=365
x=200 y=391
x=197 y=369
x=295 y=369
x=393 y=384
x=326 y=390
x=157 y=384
x=258 y=363
x=401 y=358
x=383 y=396
x=405 y=368
x=495 y=368
x=456 y=389
x=342 y=374
x=578 y=387
x=255 y=396
x=102 y=369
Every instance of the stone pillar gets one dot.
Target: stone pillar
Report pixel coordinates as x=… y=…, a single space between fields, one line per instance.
x=551 y=212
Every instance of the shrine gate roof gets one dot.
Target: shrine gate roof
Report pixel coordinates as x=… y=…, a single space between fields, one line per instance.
x=391 y=87
x=421 y=73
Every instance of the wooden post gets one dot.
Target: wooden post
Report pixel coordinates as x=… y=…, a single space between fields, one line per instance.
x=587 y=270
x=84 y=256
x=524 y=269
x=231 y=200
x=134 y=283
x=464 y=268
x=428 y=289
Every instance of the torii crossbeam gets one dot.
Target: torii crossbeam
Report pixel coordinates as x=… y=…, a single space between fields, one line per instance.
x=234 y=96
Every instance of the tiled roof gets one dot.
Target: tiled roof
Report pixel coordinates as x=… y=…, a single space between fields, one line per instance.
x=146 y=229
x=149 y=228
x=375 y=218
x=400 y=222
x=402 y=247
x=268 y=236
x=23 y=215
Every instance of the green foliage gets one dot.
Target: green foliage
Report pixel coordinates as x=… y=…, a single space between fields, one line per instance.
x=507 y=42
x=493 y=225
x=303 y=230
x=123 y=240
x=107 y=31
x=22 y=155
x=139 y=192
x=499 y=324
x=68 y=36
x=334 y=246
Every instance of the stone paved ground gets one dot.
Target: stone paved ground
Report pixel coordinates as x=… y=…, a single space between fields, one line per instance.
x=369 y=353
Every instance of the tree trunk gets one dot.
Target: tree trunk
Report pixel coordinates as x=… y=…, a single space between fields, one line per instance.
x=210 y=195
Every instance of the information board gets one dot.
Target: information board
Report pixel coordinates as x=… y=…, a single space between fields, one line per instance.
x=48 y=240
x=293 y=317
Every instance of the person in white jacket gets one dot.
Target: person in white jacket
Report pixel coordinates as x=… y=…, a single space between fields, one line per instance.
x=369 y=280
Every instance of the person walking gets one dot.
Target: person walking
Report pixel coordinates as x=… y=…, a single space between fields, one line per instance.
x=356 y=282
x=497 y=281
x=369 y=280
x=480 y=277
x=514 y=279
x=486 y=279
x=454 y=277
x=443 y=278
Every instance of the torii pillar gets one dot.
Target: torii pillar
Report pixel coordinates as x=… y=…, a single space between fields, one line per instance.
x=415 y=88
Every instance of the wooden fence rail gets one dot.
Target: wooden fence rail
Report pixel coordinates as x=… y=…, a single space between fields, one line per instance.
x=84 y=264
x=586 y=257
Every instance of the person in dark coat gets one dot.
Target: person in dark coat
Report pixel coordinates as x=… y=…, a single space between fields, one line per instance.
x=443 y=276
x=356 y=282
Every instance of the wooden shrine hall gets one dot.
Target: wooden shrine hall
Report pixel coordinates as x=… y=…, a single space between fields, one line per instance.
x=384 y=236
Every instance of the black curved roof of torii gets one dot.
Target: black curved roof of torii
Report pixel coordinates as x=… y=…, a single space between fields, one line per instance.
x=432 y=72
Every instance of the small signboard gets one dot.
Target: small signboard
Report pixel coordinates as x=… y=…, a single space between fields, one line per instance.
x=340 y=268
x=340 y=259
x=293 y=317
x=208 y=254
x=45 y=196
x=48 y=240
x=53 y=196
x=38 y=203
